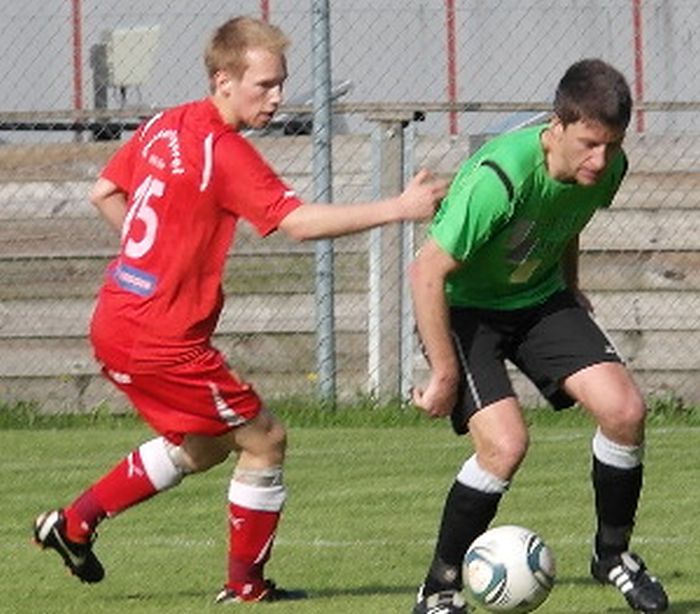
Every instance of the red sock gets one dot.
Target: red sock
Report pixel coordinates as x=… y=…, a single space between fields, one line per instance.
x=252 y=533
x=125 y=485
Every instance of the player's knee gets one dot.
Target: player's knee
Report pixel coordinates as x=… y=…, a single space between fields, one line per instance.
x=263 y=441
x=277 y=435
x=626 y=420
x=636 y=410
x=512 y=450
x=273 y=440
x=503 y=457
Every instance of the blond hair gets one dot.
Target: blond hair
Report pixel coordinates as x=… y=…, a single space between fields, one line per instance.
x=228 y=45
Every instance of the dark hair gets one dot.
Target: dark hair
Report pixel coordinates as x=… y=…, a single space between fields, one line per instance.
x=591 y=89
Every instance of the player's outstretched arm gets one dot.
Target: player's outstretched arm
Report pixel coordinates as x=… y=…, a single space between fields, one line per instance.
x=319 y=221
x=427 y=274
x=111 y=202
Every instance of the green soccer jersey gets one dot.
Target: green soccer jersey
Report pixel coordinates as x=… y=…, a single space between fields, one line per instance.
x=510 y=222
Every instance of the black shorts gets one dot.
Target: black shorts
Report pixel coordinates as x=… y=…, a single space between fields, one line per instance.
x=547 y=342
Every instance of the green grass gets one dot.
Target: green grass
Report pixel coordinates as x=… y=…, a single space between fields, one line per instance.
x=360 y=522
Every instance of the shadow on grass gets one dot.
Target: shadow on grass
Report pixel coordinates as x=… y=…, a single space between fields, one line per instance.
x=688 y=606
x=363 y=591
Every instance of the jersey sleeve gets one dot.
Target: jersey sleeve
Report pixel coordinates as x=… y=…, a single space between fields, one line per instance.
x=120 y=167
x=250 y=188
x=477 y=204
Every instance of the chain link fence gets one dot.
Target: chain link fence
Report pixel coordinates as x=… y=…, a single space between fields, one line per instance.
x=414 y=83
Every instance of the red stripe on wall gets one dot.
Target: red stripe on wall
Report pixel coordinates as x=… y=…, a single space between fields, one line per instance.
x=77 y=22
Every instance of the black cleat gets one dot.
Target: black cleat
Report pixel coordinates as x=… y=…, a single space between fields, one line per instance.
x=49 y=532
x=628 y=573
x=271 y=592
x=443 y=602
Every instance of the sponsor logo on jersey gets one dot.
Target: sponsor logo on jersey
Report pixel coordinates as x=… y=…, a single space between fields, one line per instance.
x=134 y=280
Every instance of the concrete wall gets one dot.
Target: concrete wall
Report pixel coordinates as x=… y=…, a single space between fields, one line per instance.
x=641 y=266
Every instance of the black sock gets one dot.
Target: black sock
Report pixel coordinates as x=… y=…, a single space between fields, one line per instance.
x=616 y=497
x=466 y=515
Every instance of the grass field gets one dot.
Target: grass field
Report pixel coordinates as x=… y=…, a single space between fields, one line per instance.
x=359 y=524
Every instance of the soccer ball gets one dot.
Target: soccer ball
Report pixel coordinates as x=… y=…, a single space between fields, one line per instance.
x=509 y=569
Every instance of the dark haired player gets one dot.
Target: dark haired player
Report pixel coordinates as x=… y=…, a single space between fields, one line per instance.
x=497 y=280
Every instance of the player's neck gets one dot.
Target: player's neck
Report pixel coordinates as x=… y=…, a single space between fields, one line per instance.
x=554 y=162
x=224 y=111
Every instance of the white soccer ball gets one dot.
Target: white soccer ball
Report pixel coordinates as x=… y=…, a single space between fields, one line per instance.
x=509 y=569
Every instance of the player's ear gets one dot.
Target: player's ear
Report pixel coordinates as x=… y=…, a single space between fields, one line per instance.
x=223 y=82
x=556 y=126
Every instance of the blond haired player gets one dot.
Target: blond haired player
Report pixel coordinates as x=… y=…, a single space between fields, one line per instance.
x=175 y=191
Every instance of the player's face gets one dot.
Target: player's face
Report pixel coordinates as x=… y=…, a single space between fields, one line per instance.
x=581 y=151
x=255 y=96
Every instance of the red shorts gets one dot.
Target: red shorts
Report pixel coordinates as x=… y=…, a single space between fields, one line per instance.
x=201 y=396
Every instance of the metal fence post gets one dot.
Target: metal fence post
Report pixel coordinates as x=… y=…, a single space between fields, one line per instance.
x=322 y=179
x=406 y=324
x=387 y=351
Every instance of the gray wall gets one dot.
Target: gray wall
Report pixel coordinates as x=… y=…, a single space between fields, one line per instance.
x=507 y=50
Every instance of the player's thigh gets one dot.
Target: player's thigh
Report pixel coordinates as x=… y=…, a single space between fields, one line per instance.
x=609 y=393
x=197 y=405
x=560 y=340
x=500 y=437
x=483 y=375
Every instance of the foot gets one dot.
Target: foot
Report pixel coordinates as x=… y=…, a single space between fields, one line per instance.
x=270 y=592
x=628 y=573
x=444 y=602
x=50 y=532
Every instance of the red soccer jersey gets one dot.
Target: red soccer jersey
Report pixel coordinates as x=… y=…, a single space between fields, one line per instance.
x=189 y=178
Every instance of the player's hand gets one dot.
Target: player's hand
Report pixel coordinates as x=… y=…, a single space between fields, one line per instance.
x=437 y=400
x=422 y=196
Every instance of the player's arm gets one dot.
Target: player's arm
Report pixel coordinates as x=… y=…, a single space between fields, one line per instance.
x=570 y=271
x=111 y=201
x=317 y=221
x=427 y=274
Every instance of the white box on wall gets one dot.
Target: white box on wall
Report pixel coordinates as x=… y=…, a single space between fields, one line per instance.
x=130 y=55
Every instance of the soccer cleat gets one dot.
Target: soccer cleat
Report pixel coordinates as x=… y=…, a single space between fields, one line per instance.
x=49 y=532
x=270 y=592
x=628 y=573
x=443 y=602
